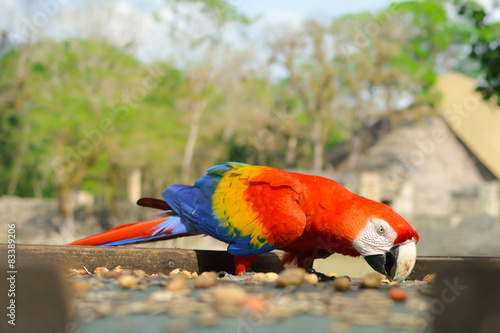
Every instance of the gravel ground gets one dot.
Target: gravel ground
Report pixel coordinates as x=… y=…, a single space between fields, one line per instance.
x=119 y=300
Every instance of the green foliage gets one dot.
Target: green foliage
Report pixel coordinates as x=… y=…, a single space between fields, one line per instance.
x=485 y=46
x=82 y=114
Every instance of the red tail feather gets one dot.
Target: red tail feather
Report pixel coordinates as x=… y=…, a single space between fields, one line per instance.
x=121 y=232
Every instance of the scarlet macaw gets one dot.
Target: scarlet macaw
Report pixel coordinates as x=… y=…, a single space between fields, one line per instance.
x=256 y=209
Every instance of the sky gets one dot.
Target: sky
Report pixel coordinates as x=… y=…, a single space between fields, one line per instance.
x=133 y=18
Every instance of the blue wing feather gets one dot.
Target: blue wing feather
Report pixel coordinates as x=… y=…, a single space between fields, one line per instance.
x=194 y=205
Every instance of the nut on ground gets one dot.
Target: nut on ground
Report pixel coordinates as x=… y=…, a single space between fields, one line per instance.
x=342 y=283
x=205 y=280
x=180 y=271
x=371 y=280
x=100 y=271
x=231 y=295
x=398 y=294
x=430 y=277
x=312 y=278
x=291 y=277
x=177 y=282
x=127 y=281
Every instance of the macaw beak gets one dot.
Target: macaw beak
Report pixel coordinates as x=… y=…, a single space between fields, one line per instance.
x=396 y=264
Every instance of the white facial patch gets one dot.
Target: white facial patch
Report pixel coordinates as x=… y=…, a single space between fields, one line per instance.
x=376 y=238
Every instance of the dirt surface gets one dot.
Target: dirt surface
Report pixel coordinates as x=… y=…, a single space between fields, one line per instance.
x=117 y=300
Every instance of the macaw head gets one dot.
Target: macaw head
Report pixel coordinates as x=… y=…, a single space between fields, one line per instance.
x=385 y=240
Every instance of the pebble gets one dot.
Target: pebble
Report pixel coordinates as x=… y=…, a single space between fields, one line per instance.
x=398 y=294
x=291 y=277
x=371 y=280
x=177 y=282
x=127 y=281
x=342 y=283
x=206 y=280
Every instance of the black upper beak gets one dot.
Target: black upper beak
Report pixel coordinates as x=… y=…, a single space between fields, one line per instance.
x=384 y=263
x=396 y=264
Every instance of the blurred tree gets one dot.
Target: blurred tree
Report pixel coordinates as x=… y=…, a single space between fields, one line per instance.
x=388 y=62
x=307 y=56
x=485 y=45
x=198 y=32
x=75 y=100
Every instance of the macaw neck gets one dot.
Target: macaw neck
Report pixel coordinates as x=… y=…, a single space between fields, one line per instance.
x=333 y=216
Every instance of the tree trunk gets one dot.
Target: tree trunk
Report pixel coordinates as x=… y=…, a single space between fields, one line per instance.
x=318 y=147
x=191 y=142
x=290 y=152
x=67 y=209
x=134 y=185
x=18 y=164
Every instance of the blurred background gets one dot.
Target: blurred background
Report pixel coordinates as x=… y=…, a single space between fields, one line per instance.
x=102 y=102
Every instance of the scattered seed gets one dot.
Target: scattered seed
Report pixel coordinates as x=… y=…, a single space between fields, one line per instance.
x=398 y=294
x=260 y=277
x=227 y=300
x=291 y=277
x=371 y=280
x=255 y=303
x=430 y=277
x=100 y=271
x=332 y=274
x=139 y=273
x=160 y=296
x=176 y=326
x=180 y=271
x=340 y=326
x=206 y=280
x=415 y=305
x=177 y=282
x=342 y=283
x=127 y=281
x=80 y=286
x=405 y=321
x=206 y=319
x=272 y=276
x=112 y=274
x=118 y=269
x=312 y=278
x=194 y=275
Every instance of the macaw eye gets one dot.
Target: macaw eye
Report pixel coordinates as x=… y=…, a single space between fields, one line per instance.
x=380 y=230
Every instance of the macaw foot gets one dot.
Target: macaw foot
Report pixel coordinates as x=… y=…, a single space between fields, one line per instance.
x=300 y=259
x=241 y=264
x=304 y=259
